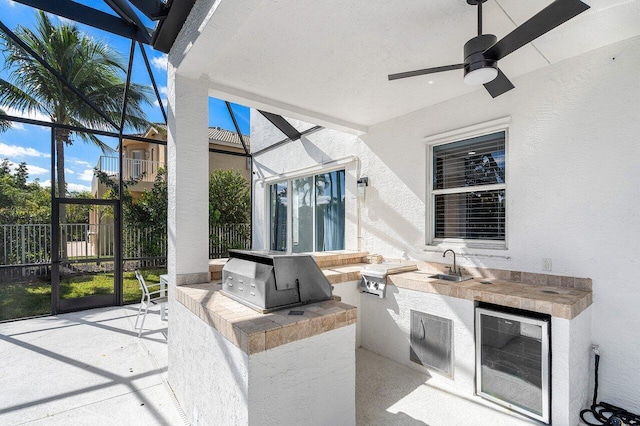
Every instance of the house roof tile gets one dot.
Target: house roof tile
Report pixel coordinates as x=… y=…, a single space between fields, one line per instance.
x=216 y=134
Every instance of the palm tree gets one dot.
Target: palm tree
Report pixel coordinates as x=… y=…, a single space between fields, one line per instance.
x=4 y=124
x=93 y=67
x=90 y=65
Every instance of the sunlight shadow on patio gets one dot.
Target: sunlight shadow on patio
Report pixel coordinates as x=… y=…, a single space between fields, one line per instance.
x=55 y=370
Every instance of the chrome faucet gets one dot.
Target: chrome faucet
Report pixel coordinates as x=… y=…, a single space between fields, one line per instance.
x=455 y=269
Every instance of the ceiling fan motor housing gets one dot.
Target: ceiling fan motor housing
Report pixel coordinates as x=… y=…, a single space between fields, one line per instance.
x=474 y=53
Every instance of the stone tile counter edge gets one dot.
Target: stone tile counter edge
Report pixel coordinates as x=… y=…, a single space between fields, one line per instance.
x=254 y=332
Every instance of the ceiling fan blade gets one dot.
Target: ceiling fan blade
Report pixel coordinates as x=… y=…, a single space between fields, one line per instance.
x=425 y=71
x=499 y=85
x=556 y=14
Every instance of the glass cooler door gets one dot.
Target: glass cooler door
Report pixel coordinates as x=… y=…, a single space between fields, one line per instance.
x=512 y=362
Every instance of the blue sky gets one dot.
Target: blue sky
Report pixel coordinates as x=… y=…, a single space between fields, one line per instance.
x=31 y=144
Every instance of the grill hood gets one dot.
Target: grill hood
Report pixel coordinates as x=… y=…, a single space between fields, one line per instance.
x=267 y=281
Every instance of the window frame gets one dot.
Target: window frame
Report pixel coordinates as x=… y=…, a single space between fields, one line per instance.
x=312 y=173
x=495 y=126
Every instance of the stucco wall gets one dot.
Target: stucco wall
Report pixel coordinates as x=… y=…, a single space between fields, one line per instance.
x=386 y=325
x=207 y=373
x=306 y=382
x=570 y=364
x=229 y=162
x=350 y=294
x=572 y=189
x=310 y=381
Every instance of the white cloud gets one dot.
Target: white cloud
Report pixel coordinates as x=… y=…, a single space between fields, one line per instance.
x=35 y=115
x=160 y=62
x=31 y=169
x=72 y=187
x=77 y=187
x=69 y=171
x=163 y=91
x=35 y=170
x=20 y=151
x=81 y=162
x=86 y=175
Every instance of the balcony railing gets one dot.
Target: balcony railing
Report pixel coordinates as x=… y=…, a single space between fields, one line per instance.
x=132 y=168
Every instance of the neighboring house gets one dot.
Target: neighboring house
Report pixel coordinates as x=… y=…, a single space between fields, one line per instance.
x=143 y=160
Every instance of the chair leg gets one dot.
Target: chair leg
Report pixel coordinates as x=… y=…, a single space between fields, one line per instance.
x=135 y=327
x=146 y=309
x=163 y=311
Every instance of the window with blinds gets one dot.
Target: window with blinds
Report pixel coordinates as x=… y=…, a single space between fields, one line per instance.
x=468 y=189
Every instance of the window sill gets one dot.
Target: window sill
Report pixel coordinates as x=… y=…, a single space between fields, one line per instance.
x=440 y=246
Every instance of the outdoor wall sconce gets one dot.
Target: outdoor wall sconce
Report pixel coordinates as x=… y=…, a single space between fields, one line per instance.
x=363 y=182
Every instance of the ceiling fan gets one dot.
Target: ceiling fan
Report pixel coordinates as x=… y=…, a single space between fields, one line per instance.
x=482 y=53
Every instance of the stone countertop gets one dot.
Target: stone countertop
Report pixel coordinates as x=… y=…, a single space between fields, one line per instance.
x=255 y=332
x=559 y=302
x=324 y=259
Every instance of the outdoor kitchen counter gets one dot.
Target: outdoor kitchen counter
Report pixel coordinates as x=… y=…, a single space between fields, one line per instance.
x=255 y=332
x=562 y=302
x=556 y=301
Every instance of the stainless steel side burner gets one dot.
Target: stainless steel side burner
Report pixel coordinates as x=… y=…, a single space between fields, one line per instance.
x=374 y=277
x=267 y=281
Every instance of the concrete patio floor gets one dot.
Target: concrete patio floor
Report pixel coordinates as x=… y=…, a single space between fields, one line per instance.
x=86 y=368
x=90 y=368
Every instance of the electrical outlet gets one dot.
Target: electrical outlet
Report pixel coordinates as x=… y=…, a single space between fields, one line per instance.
x=546 y=264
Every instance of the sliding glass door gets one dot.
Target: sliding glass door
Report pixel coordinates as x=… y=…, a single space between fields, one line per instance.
x=308 y=213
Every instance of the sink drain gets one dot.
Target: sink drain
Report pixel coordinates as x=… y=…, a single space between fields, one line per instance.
x=550 y=292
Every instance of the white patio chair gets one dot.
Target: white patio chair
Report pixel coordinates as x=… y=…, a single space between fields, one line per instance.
x=149 y=298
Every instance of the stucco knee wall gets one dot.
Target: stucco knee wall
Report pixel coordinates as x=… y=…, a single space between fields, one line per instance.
x=571 y=367
x=208 y=375
x=349 y=292
x=386 y=331
x=309 y=381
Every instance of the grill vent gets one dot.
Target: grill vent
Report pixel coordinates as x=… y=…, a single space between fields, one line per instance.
x=431 y=342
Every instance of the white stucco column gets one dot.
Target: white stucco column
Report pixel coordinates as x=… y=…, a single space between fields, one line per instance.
x=188 y=174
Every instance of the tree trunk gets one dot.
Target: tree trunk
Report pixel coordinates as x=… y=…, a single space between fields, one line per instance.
x=61 y=186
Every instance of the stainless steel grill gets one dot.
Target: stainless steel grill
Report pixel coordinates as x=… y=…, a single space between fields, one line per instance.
x=267 y=281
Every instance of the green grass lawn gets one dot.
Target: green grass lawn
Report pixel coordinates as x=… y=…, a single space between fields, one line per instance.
x=19 y=300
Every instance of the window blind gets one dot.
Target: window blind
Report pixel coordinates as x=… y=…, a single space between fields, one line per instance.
x=465 y=207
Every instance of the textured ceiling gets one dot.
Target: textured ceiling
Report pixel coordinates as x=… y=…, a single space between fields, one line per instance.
x=327 y=61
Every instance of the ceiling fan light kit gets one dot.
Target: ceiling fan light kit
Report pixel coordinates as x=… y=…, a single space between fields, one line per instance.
x=482 y=53
x=478 y=69
x=482 y=75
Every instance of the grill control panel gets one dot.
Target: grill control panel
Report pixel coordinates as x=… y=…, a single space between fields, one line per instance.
x=374 y=284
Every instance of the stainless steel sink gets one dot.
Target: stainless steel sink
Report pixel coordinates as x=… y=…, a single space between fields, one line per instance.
x=454 y=278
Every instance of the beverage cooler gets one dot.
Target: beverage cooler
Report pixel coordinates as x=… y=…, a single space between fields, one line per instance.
x=513 y=359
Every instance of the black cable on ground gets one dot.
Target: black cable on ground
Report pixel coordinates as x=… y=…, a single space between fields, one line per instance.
x=605 y=413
